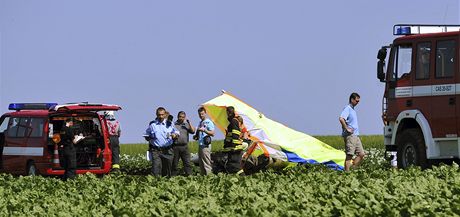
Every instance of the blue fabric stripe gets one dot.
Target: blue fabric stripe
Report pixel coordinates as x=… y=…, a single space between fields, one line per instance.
x=292 y=157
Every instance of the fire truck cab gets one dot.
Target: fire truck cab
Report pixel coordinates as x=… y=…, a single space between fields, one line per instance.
x=30 y=138
x=422 y=87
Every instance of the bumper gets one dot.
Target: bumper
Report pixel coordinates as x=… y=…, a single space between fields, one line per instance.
x=49 y=171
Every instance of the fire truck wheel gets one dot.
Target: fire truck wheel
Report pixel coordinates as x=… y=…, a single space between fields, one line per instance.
x=411 y=149
x=31 y=169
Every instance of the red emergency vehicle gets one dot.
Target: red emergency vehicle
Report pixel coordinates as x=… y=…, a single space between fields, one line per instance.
x=29 y=138
x=422 y=87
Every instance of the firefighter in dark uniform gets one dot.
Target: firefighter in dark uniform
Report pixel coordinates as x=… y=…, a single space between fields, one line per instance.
x=233 y=142
x=70 y=153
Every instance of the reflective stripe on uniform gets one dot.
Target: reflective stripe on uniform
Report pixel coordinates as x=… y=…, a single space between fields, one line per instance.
x=116 y=166
x=236 y=141
x=237 y=132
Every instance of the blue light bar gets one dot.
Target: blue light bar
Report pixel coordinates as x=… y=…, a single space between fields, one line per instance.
x=31 y=106
x=415 y=29
x=403 y=30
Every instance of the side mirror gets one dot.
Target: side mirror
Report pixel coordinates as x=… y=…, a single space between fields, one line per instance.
x=382 y=54
x=380 y=72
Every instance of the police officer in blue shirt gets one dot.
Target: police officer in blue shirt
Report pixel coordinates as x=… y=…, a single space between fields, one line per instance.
x=161 y=136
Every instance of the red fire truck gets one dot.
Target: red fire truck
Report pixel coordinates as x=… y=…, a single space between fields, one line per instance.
x=422 y=90
x=30 y=139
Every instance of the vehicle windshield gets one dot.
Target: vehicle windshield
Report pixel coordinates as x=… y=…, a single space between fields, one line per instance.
x=402 y=59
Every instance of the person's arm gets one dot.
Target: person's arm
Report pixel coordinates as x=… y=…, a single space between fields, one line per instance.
x=191 y=129
x=149 y=133
x=236 y=132
x=344 y=125
x=245 y=133
x=174 y=133
x=209 y=132
x=345 y=113
x=209 y=129
x=69 y=133
x=197 y=132
x=119 y=129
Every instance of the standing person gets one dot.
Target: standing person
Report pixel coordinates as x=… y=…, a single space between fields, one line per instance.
x=70 y=153
x=161 y=136
x=233 y=142
x=350 y=132
x=180 y=146
x=114 y=129
x=204 y=132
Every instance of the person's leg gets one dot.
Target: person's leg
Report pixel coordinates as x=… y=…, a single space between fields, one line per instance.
x=234 y=161
x=349 y=151
x=359 y=151
x=200 y=160
x=176 y=153
x=156 y=163
x=115 y=142
x=348 y=162
x=65 y=163
x=185 y=155
x=207 y=163
x=166 y=161
x=73 y=163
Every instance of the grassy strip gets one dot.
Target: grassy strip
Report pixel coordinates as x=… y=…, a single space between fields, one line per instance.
x=371 y=141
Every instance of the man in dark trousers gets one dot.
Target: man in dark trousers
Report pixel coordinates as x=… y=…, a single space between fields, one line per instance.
x=161 y=136
x=70 y=153
x=180 y=145
x=114 y=134
x=232 y=142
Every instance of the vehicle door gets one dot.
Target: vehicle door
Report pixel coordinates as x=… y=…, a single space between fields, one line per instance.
x=15 y=144
x=400 y=79
x=443 y=101
x=423 y=78
x=3 y=127
x=24 y=141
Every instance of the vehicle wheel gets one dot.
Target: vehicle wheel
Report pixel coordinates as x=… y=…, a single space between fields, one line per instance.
x=31 y=169
x=411 y=149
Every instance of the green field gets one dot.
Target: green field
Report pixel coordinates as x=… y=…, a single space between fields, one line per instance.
x=312 y=190
x=373 y=141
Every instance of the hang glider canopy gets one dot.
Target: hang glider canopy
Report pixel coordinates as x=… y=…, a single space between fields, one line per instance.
x=272 y=139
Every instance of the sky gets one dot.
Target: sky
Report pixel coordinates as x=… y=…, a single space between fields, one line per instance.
x=295 y=61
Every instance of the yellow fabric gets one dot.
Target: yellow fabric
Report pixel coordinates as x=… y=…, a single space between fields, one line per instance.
x=272 y=133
